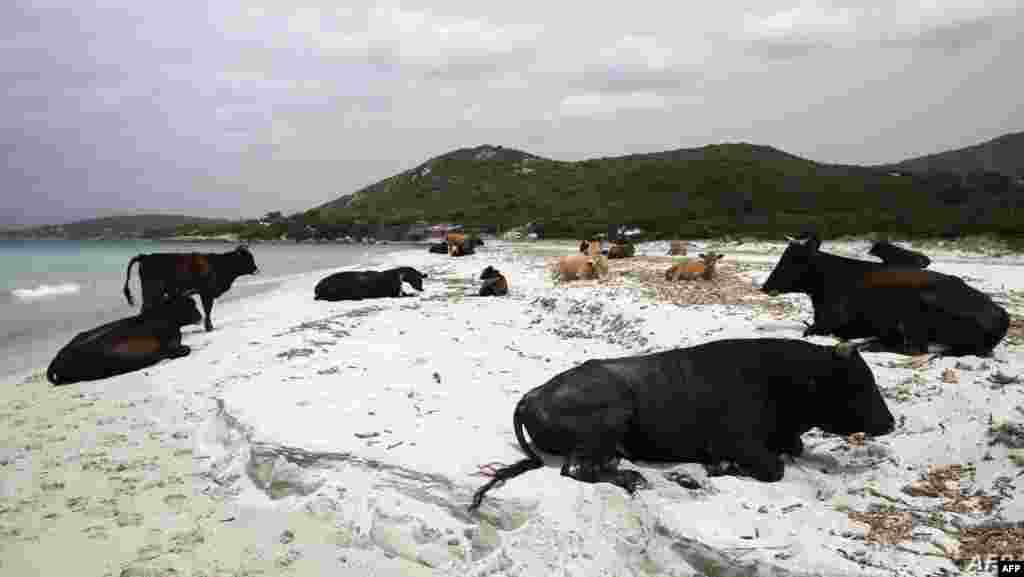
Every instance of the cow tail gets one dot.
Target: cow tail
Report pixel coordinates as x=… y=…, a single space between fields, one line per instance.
x=128 y=278
x=531 y=462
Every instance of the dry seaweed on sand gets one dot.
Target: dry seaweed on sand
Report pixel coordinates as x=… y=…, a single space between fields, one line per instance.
x=886 y=527
x=729 y=287
x=944 y=482
x=988 y=542
x=1015 y=334
x=894 y=526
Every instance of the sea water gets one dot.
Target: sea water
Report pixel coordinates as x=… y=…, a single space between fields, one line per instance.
x=51 y=290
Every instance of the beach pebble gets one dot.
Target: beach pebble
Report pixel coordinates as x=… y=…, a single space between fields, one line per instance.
x=484 y=539
x=1001 y=378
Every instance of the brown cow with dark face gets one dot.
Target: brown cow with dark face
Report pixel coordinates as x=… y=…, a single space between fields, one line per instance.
x=167 y=275
x=677 y=248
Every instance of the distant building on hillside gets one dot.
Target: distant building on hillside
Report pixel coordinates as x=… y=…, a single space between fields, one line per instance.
x=536 y=229
x=439 y=232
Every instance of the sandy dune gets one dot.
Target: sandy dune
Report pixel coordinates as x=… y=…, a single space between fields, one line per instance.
x=304 y=437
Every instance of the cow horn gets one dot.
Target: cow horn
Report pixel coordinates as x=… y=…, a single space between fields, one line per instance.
x=791 y=239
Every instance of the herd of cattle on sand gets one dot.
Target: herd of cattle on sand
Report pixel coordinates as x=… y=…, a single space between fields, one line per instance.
x=734 y=405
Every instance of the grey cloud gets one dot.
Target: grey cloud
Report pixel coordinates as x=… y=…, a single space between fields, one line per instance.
x=786 y=48
x=625 y=79
x=176 y=106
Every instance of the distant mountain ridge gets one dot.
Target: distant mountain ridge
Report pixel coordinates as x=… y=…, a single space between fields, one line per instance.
x=701 y=190
x=127 y=226
x=1004 y=154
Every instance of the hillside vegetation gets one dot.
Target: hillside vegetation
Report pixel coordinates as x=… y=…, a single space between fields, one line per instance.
x=723 y=189
x=1003 y=155
x=712 y=190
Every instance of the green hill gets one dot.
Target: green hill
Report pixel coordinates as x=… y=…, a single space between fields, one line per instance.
x=710 y=190
x=1003 y=155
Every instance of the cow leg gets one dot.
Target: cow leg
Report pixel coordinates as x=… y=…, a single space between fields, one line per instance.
x=792 y=445
x=912 y=337
x=180 y=351
x=590 y=468
x=152 y=293
x=754 y=459
x=172 y=347
x=207 y=306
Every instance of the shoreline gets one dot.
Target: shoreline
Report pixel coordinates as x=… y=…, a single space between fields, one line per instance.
x=343 y=436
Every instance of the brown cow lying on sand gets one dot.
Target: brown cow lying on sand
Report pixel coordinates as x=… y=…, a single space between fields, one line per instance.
x=694 y=269
x=457 y=245
x=576 y=266
x=621 y=250
x=677 y=248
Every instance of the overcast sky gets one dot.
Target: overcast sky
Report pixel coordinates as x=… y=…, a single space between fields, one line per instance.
x=235 y=109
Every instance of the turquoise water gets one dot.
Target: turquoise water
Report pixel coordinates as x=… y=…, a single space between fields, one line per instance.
x=52 y=289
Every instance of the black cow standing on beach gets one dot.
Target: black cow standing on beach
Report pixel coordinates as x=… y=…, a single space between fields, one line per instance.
x=367 y=284
x=166 y=275
x=739 y=400
x=905 y=308
x=890 y=253
x=126 y=345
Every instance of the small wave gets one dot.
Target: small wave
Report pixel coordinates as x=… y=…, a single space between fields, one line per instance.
x=47 y=290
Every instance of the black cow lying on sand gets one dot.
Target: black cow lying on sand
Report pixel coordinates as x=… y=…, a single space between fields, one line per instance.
x=908 y=310
x=889 y=253
x=126 y=345
x=904 y=308
x=495 y=283
x=368 y=284
x=167 y=275
x=741 y=400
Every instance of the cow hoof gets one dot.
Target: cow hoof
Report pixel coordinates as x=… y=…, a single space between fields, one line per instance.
x=181 y=351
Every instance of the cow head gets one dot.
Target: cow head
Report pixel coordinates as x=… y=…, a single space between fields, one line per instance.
x=710 y=261
x=850 y=397
x=413 y=277
x=489 y=272
x=794 y=267
x=244 y=262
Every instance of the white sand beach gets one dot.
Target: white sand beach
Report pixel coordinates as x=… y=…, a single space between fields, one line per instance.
x=302 y=437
